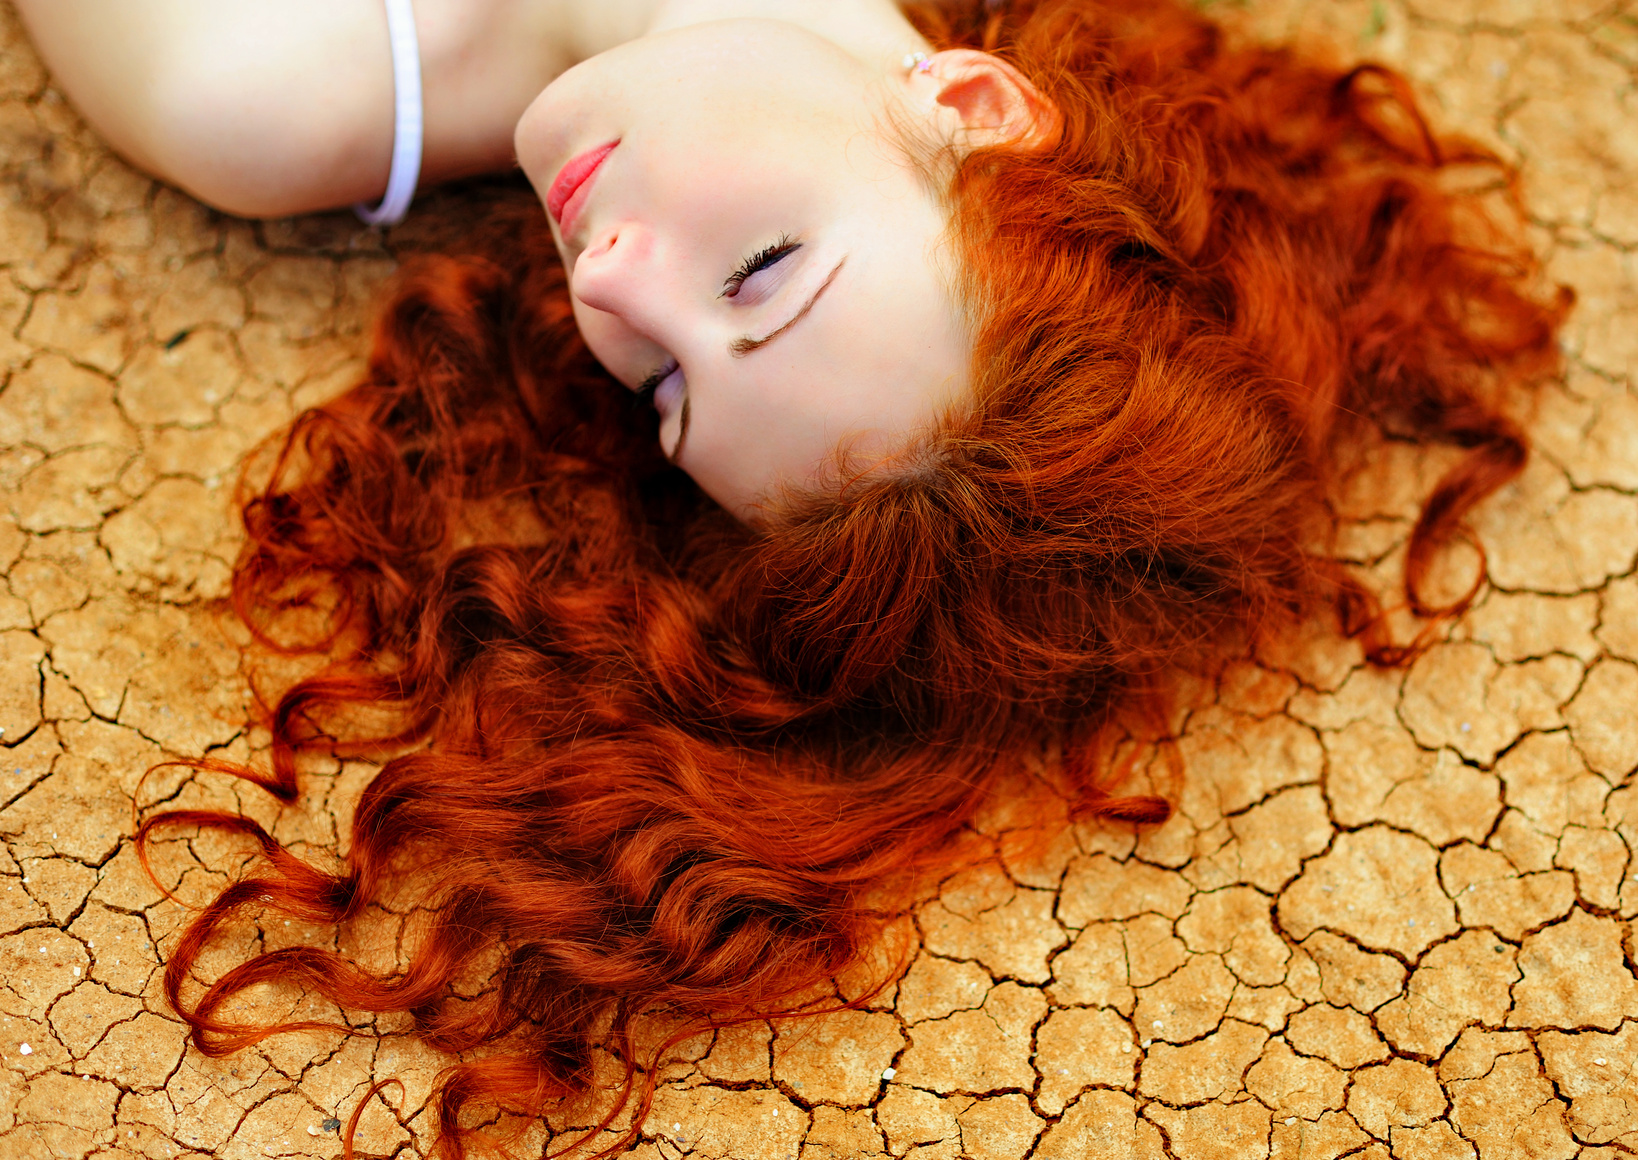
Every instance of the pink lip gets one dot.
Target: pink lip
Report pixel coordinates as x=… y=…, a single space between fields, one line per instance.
x=567 y=195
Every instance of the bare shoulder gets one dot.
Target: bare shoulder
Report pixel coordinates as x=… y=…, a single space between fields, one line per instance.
x=264 y=109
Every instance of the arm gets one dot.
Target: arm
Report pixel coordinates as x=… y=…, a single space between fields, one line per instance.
x=265 y=109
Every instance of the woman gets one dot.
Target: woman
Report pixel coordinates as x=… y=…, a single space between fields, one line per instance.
x=1008 y=384
x=709 y=184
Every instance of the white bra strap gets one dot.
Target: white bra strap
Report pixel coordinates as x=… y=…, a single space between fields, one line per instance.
x=407 y=120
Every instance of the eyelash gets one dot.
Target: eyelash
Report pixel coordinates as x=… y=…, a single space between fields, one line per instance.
x=780 y=250
x=770 y=255
x=645 y=391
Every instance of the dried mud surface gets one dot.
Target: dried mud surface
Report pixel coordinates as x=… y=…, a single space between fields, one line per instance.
x=1393 y=916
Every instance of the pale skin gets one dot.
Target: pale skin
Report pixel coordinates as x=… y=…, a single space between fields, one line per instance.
x=758 y=244
x=265 y=109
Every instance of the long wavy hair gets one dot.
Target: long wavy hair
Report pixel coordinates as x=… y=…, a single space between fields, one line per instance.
x=649 y=760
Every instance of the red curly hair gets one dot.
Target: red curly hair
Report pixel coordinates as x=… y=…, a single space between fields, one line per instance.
x=656 y=758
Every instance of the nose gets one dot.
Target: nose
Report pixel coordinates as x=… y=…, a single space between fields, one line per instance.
x=617 y=273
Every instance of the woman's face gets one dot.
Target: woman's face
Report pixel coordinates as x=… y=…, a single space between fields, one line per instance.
x=754 y=249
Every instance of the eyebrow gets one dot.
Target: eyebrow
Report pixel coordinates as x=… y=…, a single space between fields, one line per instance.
x=682 y=433
x=745 y=344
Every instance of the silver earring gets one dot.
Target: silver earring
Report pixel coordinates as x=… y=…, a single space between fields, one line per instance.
x=917 y=61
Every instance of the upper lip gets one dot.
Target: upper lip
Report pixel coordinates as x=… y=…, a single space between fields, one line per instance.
x=572 y=179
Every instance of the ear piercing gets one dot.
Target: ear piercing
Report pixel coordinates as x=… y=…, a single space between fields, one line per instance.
x=917 y=61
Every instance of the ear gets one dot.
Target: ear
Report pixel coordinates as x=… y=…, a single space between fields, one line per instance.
x=992 y=103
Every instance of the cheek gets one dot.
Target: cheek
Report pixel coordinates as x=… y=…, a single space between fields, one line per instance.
x=611 y=341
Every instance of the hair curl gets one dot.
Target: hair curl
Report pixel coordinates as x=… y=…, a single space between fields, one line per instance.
x=656 y=757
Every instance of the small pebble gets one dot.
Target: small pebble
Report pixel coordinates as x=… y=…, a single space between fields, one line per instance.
x=889 y=1073
x=25 y=1049
x=1126 y=1049
x=1289 y=1120
x=1599 y=1062
x=314 y=1130
x=76 y=972
x=332 y=1125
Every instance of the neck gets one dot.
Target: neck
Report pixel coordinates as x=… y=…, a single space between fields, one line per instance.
x=873 y=31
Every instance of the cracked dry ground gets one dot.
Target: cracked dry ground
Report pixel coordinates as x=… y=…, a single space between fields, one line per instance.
x=1393 y=916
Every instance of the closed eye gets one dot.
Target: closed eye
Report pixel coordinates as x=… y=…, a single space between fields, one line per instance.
x=645 y=389
x=745 y=344
x=756 y=263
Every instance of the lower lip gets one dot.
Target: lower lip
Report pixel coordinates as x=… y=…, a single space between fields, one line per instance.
x=567 y=195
